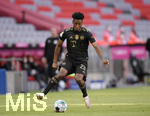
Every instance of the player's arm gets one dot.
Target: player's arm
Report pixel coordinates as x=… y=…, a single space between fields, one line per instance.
x=44 y=60
x=100 y=54
x=56 y=53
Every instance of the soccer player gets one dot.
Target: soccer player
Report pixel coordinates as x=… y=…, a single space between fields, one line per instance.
x=50 y=45
x=76 y=59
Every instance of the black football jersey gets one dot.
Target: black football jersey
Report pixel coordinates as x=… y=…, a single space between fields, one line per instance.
x=77 y=43
x=50 y=45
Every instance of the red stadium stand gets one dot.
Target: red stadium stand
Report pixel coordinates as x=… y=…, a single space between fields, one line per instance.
x=117 y=11
x=41 y=22
x=48 y=13
x=109 y=16
x=19 y=2
x=100 y=4
x=44 y=8
x=128 y=23
x=66 y=3
x=141 y=6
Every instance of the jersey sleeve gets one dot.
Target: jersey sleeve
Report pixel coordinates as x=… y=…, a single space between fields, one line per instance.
x=62 y=35
x=91 y=37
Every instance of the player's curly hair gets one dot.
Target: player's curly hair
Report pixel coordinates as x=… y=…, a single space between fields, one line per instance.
x=78 y=15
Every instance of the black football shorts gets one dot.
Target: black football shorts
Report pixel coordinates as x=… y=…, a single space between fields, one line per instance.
x=74 y=67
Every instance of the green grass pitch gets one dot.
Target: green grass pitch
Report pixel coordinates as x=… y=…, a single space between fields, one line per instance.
x=108 y=102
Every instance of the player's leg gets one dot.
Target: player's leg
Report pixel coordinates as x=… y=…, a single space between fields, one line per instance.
x=49 y=72
x=53 y=73
x=62 y=73
x=81 y=83
x=81 y=73
x=66 y=66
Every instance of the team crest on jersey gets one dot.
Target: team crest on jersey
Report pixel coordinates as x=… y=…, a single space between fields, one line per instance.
x=55 y=42
x=49 y=41
x=82 y=37
x=76 y=37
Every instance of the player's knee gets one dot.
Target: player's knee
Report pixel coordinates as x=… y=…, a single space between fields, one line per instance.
x=78 y=79
x=61 y=75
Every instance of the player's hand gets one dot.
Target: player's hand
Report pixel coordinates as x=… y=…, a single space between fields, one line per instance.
x=55 y=66
x=106 y=62
x=44 y=60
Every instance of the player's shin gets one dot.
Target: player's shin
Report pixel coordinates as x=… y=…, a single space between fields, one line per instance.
x=83 y=89
x=50 y=85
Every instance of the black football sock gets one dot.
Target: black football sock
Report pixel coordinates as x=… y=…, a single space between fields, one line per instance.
x=83 y=89
x=50 y=85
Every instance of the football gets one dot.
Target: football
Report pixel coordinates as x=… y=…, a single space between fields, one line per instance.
x=60 y=106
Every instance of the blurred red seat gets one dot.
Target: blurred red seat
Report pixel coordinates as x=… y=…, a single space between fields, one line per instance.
x=44 y=8
x=31 y=78
x=118 y=11
x=24 y=2
x=128 y=23
x=109 y=16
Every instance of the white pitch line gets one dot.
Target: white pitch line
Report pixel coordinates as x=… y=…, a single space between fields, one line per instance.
x=113 y=104
x=94 y=104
